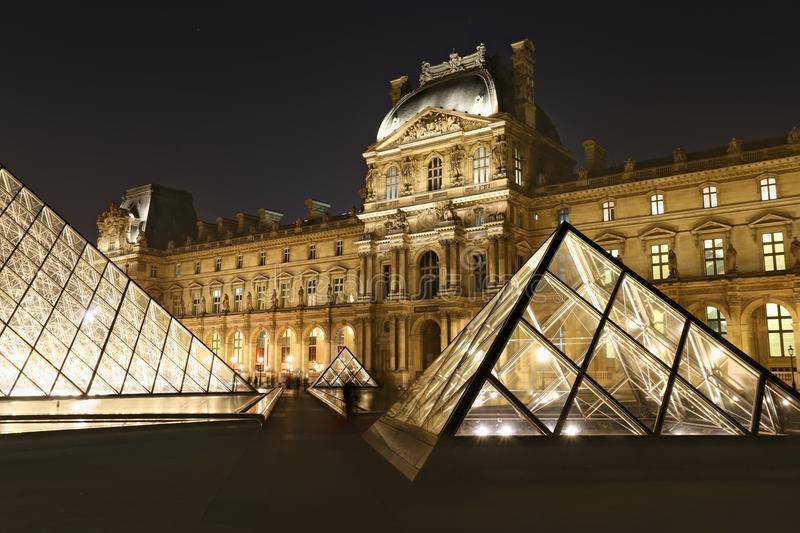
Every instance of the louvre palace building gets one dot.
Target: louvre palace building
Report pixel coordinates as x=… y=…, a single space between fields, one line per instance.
x=467 y=176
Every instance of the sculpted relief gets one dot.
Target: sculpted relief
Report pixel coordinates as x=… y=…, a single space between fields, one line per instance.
x=437 y=124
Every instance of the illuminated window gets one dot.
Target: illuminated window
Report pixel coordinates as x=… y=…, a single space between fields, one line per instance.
x=153 y=271
x=176 y=302
x=392 y=183
x=479 y=216
x=286 y=346
x=261 y=296
x=216 y=300
x=238 y=292
x=613 y=252
x=714 y=257
x=196 y=303
x=608 y=211
x=657 y=204
x=262 y=258
x=177 y=270
x=435 y=170
x=216 y=341
x=217 y=264
x=239 y=261
x=659 y=260
x=238 y=347
x=480 y=165
x=285 y=286
x=716 y=320
x=312 y=251
x=262 y=348
x=197 y=267
x=286 y=255
x=338 y=289
x=428 y=275
x=316 y=334
x=311 y=291
x=780 y=332
x=769 y=189
x=562 y=215
x=518 y=167
x=773 y=248
x=339 y=248
x=709 y=197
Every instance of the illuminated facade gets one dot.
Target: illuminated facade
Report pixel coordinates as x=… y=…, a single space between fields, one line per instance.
x=466 y=178
x=577 y=344
x=81 y=345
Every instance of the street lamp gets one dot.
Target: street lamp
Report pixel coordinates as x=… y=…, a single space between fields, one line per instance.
x=791 y=365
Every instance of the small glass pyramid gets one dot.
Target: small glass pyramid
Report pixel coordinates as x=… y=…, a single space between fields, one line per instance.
x=80 y=341
x=345 y=368
x=578 y=344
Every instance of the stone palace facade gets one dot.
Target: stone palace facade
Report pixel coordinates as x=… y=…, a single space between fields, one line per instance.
x=467 y=177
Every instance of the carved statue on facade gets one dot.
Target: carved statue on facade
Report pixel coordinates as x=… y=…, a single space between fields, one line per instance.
x=583 y=174
x=113 y=225
x=141 y=239
x=500 y=155
x=734 y=147
x=630 y=165
x=731 y=254
x=330 y=294
x=795 y=250
x=455 y=63
x=794 y=136
x=446 y=212
x=457 y=156
x=203 y=305
x=672 y=262
x=301 y=297
x=678 y=155
x=180 y=311
x=407 y=172
x=370 y=179
x=226 y=304
x=397 y=222
x=249 y=302
x=274 y=299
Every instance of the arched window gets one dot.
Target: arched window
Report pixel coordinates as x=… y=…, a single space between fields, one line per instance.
x=262 y=350
x=769 y=189
x=518 y=167
x=216 y=341
x=316 y=337
x=345 y=338
x=428 y=275
x=780 y=332
x=716 y=320
x=480 y=165
x=435 y=171
x=710 y=197
x=392 y=183
x=238 y=348
x=286 y=348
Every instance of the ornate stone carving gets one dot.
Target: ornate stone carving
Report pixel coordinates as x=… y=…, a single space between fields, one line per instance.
x=583 y=174
x=437 y=124
x=274 y=299
x=397 y=222
x=301 y=297
x=794 y=136
x=370 y=180
x=446 y=212
x=500 y=155
x=249 y=306
x=734 y=147
x=678 y=156
x=795 y=250
x=226 y=304
x=630 y=165
x=455 y=63
x=407 y=171
x=672 y=261
x=730 y=258
x=457 y=157
x=113 y=225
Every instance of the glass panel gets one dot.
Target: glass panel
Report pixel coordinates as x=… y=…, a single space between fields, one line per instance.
x=648 y=319
x=721 y=376
x=535 y=374
x=629 y=374
x=780 y=412
x=563 y=318
x=690 y=414
x=585 y=271
x=592 y=414
x=492 y=414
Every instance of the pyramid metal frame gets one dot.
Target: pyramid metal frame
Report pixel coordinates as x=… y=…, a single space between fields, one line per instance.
x=332 y=394
x=406 y=436
x=70 y=319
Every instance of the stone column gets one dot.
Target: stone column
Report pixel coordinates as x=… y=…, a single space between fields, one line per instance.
x=444 y=330
x=368 y=344
x=454 y=265
x=395 y=255
x=502 y=258
x=362 y=279
x=368 y=281
x=392 y=343
x=446 y=263
x=490 y=261
x=401 y=341
x=401 y=279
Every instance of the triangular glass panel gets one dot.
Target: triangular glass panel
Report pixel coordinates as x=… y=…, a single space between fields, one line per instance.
x=592 y=413
x=328 y=387
x=536 y=374
x=688 y=413
x=75 y=326
x=492 y=414
x=629 y=374
x=721 y=376
x=780 y=412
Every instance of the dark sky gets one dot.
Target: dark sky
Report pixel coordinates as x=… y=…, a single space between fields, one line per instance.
x=251 y=107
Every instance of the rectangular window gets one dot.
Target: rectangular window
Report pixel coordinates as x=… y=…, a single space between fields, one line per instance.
x=709 y=197
x=217 y=264
x=479 y=277
x=518 y=167
x=657 y=204
x=262 y=258
x=480 y=165
x=608 y=211
x=392 y=183
x=312 y=251
x=216 y=300
x=773 y=247
x=196 y=301
x=197 y=267
x=261 y=296
x=176 y=303
x=238 y=293
x=435 y=171
x=479 y=216
x=286 y=255
x=714 y=257
x=562 y=215
x=285 y=286
x=339 y=248
x=387 y=280
x=338 y=289
x=659 y=260
x=177 y=270
x=769 y=189
x=239 y=261
x=153 y=271
x=311 y=292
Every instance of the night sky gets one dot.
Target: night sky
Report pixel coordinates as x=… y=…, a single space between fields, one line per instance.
x=253 y=107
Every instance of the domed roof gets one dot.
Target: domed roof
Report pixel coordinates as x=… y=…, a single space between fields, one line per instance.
x=471 y=92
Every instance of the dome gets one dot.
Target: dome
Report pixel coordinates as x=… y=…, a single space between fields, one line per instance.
x=471 y=92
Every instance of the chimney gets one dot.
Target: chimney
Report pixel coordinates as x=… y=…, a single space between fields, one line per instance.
x=523 y=61
x=595 y=155
x=316 y=209
x=399 y=89
x=267 y=219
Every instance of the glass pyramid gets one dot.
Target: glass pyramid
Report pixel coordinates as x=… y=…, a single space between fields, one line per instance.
x=345 y=368
x=578 y=344
x=81 y=342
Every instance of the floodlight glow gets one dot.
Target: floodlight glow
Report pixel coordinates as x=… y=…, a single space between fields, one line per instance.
x=785 y=402
x=716 y=354
x=542 y=354
x=571 y=430
x=481 y=430
x=506 y=430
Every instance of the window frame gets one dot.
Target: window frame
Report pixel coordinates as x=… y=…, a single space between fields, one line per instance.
x=481 y=165
x=662 y=262
x=657 y=204
x=768 y=188
x=716 y=261
x=392 y=185
x=710 y=196
x=779 y=317
x=609 y=210
x=435 y=173
x=773 y=257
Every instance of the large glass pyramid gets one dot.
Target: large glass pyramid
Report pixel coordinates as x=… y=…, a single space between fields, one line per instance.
x=344 y=369
x=81 y=345
x=578 y=344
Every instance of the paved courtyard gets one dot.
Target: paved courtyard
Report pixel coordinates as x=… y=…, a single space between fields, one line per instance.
x=309 y=469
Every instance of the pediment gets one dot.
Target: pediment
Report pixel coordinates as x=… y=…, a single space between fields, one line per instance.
x=609 y=237
x=174 y=287
x=658 y=232
x=337 y=268
x=260 y=277
x=237 y=281
x=432 y=122
x=711 y=226
x=769 y=219
x=309 y=272
x=215 y=282
x=195 y=285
